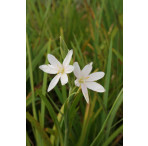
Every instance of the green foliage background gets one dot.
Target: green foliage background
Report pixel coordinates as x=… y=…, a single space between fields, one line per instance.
x=94 y=30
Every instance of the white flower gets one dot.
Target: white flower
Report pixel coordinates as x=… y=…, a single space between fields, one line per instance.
x=86 y=80
x=55 y=67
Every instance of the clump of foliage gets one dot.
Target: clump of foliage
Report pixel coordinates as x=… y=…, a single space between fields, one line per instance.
x=94 y=30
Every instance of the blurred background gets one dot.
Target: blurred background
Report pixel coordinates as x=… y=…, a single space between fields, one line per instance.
x=94 y=30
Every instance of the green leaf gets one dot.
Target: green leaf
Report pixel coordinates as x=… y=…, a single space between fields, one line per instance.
x=37 y=126
x=44 y=88
x=36 y=60
x=54 y=104
x=96 y=34
x=31 y=78
x=59 y=94
x=78 y=52
x=107 y=79
x=27 y=140
x=29 y=101
x=113 y=136
x=112 y=112
x=64 y=50
x=60 y=120
x=52 y=114
x=119 y=56
x=32 y=86
x=63 y=47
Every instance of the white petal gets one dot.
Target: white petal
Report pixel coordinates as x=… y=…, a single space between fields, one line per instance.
x=95 y=76
x=85 y=92
x=53 y=61
x=77 y=71
x=77 y=83
x=69 y=69
x=95 y=86
x=53 y=82
x=49 y=69
x=68 y=58
x=87 y=69
x=64 y=79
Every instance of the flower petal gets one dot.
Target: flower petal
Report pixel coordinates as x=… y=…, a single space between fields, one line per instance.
x=87 y=69
x=53 y=61
x=53 y=82
x=69 y=69
x=85 y=92
x=68 y=58
x=95 y=86
x=48 y=69
x=77 y=83
x=95 y=76
x=64 y=79
x=77 y=71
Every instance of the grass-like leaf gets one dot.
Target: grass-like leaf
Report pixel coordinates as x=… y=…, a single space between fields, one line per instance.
x=113 y=114
x=31 y=78
x=107 y=79
x=52 y=114
x=113 y=111
x=44 y=88
x=36 y=60
x=114 y=135
x=37 y=126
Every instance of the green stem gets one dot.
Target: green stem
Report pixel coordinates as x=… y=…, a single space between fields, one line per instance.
x=32 y=87
x=31 y=78
x=44 y=89
x=66 y=114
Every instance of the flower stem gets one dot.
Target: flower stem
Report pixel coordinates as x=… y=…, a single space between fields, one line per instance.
x=66 y=113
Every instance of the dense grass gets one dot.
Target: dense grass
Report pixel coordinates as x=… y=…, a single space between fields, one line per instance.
x=94 y=30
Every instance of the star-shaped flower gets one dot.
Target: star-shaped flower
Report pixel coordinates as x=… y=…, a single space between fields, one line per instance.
x=55 y=67
x=86 y=80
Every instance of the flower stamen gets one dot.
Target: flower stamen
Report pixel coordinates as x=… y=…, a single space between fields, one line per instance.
x=61 y=70
x=81 y=80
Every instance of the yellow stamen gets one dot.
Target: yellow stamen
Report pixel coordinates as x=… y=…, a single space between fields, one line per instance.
x=81 y=80
x=61 y=70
